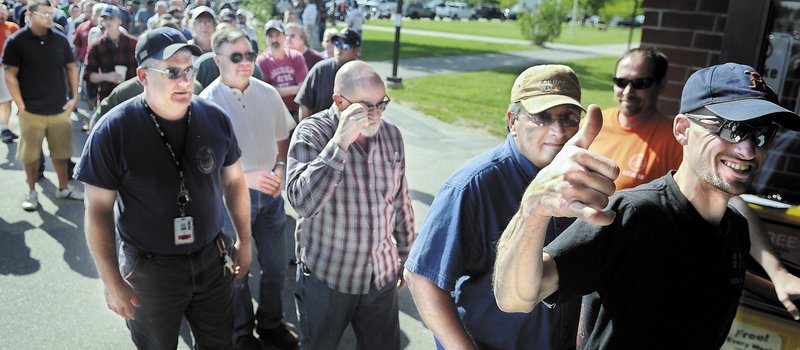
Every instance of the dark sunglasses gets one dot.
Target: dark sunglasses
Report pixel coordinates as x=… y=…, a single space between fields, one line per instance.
x=237 y=57
x=173 y=73
x=735 y=132
x=342 y=45
x=637 y=83
x=568 y=119
x=381 y=106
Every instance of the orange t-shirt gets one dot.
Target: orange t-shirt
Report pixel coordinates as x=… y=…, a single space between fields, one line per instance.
x=6 y=29
x=643 y=153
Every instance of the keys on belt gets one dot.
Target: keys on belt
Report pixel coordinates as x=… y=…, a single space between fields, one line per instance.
x=227 y=262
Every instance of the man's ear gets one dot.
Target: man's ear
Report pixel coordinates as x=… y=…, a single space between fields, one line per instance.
x=680 y=128
x=512 y=123
x=140 y=73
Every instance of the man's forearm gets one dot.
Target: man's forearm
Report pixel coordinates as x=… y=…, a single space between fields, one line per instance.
x=289 y=90
x=101 y=240
x=72 y=70
x=303 y=112
x=438 y=310
x=13 y=87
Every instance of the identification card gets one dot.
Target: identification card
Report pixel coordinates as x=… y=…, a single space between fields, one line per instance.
x=184 y=230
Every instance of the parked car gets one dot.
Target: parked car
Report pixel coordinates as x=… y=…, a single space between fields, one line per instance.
x=454 y=10
x=629 y=22
x=416 y=10
x=511 y=13
x=488 y=12
x=378 y=8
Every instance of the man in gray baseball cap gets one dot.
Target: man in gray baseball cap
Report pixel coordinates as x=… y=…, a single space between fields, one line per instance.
x=156 y=169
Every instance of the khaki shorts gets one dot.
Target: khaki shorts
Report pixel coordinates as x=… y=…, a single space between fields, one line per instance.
x=33 y=128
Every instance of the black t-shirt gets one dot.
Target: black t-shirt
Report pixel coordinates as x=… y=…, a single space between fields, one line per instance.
x=42 y=75
x=658 y=277
x=316 y=92
x=125 y=153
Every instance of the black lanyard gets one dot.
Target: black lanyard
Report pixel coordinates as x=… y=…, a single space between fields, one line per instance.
x=183 y=193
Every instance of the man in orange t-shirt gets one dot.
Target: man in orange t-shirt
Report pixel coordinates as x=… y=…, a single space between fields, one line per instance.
x=636 y=135
x=6 y=29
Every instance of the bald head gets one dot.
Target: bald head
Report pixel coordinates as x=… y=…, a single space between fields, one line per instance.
x=356 y=77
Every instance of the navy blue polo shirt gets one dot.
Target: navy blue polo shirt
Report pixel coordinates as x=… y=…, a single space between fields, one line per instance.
x=42 y=65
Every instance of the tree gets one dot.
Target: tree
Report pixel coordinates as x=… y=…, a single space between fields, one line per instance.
x=543 y=23
x=262 y=10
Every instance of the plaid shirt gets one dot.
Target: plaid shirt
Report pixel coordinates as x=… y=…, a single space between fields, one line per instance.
x=104 y=55
x=356 y=223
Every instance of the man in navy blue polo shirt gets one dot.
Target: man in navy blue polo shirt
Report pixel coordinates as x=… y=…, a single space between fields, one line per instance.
x=449 y=270
x=35 y=59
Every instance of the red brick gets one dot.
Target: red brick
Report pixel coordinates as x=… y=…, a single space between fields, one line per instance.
x=669 y=4
x=668 y=36
x=670 y=106
x=687 y=21
x=713 y=59
x=686 y=57
x=673 y=90
x=676 y=73
x=715 y=6
x=707 y=41
x=652 y=18
x=719 y=27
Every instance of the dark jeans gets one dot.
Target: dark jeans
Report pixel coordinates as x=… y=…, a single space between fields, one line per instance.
x=268 y=221
x=324 y=313
x=170 y=287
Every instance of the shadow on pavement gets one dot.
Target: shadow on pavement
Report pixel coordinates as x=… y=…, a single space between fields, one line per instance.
x=422 y=197
x=15 y=256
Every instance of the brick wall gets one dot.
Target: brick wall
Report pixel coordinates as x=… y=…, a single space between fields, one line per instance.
x=690 y=34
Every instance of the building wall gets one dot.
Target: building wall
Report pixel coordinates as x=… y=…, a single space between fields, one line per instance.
x=690 y=34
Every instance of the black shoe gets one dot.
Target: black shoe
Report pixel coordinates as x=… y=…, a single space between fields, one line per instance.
x=248 y=342
x=280 y=337
x=8 y=136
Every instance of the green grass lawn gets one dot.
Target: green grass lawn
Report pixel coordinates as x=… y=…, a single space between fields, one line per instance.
x=479 y=99
x=583 y=35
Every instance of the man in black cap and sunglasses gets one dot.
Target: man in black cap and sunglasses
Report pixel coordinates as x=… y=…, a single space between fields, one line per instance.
x=156 y=169
x=667 y=257
x=316 y=93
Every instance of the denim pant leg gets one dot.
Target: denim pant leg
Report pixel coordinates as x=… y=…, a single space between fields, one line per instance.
x=243 y=315
x=323 y=313
x=210 y=311
x=376 y=322
x=270 y=238
x=164 y=291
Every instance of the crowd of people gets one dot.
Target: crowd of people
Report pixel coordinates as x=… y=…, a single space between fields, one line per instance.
x=196 y=135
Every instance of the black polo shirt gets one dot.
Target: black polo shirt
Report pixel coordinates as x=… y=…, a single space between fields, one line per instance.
x=42 y=65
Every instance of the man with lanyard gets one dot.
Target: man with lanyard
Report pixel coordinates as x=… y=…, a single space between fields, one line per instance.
x=449 y=269
x=156 y=169
x=674 y=240
x=261 y=124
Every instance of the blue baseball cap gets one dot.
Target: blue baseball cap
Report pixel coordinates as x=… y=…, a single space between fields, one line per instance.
x=735 y=92
x=110 y=11
x=161 y=43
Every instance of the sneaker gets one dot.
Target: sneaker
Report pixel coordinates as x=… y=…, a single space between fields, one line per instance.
x=31 y=201
x=69 y=193
x=7 y=136
x=281 y=337
x=247 y=342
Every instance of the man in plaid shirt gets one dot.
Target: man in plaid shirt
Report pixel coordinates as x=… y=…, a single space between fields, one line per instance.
x=346 y=180
x=114 y=48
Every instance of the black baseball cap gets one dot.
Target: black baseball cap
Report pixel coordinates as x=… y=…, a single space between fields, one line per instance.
x=348 y=36
x=162 y=43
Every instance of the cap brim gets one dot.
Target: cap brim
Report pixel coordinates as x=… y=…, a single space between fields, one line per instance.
x=172 y=49
x=538 y=104
x=749 y=109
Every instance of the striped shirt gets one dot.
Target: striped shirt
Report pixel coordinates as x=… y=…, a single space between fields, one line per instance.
x=355 y=224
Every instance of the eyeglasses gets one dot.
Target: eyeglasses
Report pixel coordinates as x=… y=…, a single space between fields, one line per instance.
x=735 y=132
x=237 y=57
x=568 y=119
x=381 y=106
x=173 y=73
x=43 y=14
x=342 y=45
x=636 y=83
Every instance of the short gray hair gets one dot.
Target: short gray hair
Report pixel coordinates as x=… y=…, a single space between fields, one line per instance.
x=227 y=35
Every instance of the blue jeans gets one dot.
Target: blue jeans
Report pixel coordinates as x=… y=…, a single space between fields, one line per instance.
x=324 y=313
x=170 y=287
x=267 y=222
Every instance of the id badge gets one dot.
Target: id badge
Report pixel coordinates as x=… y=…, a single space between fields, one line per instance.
x=184 y=230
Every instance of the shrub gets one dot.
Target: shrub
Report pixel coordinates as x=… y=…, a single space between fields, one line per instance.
x=543 y=23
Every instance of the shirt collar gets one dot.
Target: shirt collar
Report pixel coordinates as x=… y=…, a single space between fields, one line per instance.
x=525 y=165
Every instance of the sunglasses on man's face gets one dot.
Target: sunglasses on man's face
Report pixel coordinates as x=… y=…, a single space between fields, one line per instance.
x=342 y=45
x=735 y=132
x=173 y=73
x=237 y=57
x=636 y=83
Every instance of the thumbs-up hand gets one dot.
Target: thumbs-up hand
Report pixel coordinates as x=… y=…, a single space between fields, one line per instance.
x=578 y=182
